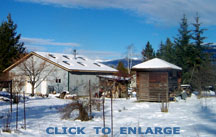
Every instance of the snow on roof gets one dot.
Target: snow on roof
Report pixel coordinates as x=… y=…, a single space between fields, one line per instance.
x=156 y=63
x=79 y=62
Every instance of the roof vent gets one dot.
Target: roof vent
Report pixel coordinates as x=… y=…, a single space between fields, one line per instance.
x=51 y=55
x=66 y=62
x=81 y=63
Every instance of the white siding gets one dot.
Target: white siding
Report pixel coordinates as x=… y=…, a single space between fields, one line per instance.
x=28 y=88
x=50 y=81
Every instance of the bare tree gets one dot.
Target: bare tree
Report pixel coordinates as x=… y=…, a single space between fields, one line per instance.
x=130 y=54
x=36 y=71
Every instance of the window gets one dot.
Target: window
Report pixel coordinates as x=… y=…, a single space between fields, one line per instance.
x=66 y=57
x=51 y=55
x=81 y=63
x=58 y=80
x=97 y=64
x=66 y=62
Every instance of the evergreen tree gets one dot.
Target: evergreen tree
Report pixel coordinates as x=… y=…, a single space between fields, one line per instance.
x=197 y=33
x=203 y=72
x=170 y=51
x=198 y=42
x=10 y=47
x=148 y=52
x=160 y=51
x=184 y=49
x=167 y=51
x=184 y=36
x=122 y=71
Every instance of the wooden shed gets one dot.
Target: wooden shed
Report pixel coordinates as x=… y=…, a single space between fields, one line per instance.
x=156 y=79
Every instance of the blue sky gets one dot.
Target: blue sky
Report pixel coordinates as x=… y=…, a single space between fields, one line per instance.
x=102 y=29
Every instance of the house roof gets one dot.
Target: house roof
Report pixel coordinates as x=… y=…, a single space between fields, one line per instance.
x=156 y=63
x=68 y=62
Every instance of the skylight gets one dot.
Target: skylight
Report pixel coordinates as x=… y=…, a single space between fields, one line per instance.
x=51 y=55
x=81 y=58
x=65 y=56
x=66 y=62
x=81 y=63
x=97 y=64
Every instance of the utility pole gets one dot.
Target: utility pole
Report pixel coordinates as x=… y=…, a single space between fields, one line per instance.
x=90 y=99
x=111 y=96
x=103 y=112
x=24 y=109
x=11 y=96
x=17 y=101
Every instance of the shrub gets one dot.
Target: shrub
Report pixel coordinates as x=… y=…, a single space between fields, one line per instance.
x=68 y=109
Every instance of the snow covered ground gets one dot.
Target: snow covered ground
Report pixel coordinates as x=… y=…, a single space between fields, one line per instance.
x=195 y=117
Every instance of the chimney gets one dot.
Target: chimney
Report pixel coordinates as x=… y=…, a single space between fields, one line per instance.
x=74 y=52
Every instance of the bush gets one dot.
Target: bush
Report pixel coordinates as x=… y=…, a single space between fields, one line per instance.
x=68 y=109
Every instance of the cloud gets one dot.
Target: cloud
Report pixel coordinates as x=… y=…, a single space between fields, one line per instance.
x=35 y=48
x=155 y=11
x=94 y=54
x=45 y=42
x=39 y=44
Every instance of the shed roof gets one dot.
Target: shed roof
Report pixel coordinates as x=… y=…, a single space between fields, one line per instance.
x=156 y=63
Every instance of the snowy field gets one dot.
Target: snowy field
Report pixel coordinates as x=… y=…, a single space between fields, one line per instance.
x=195 y=117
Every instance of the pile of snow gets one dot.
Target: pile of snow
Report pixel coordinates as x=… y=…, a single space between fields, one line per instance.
x=208 y=93
x=69 y=96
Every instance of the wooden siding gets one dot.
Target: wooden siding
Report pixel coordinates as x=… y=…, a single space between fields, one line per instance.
x=174 y=80
x=143 y=87
x=152 y=86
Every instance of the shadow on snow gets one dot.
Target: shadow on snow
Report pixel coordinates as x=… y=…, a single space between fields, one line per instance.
x=208 y=115
x=32 y=113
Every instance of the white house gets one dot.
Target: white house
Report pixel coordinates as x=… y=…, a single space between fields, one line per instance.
x=63 y=72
